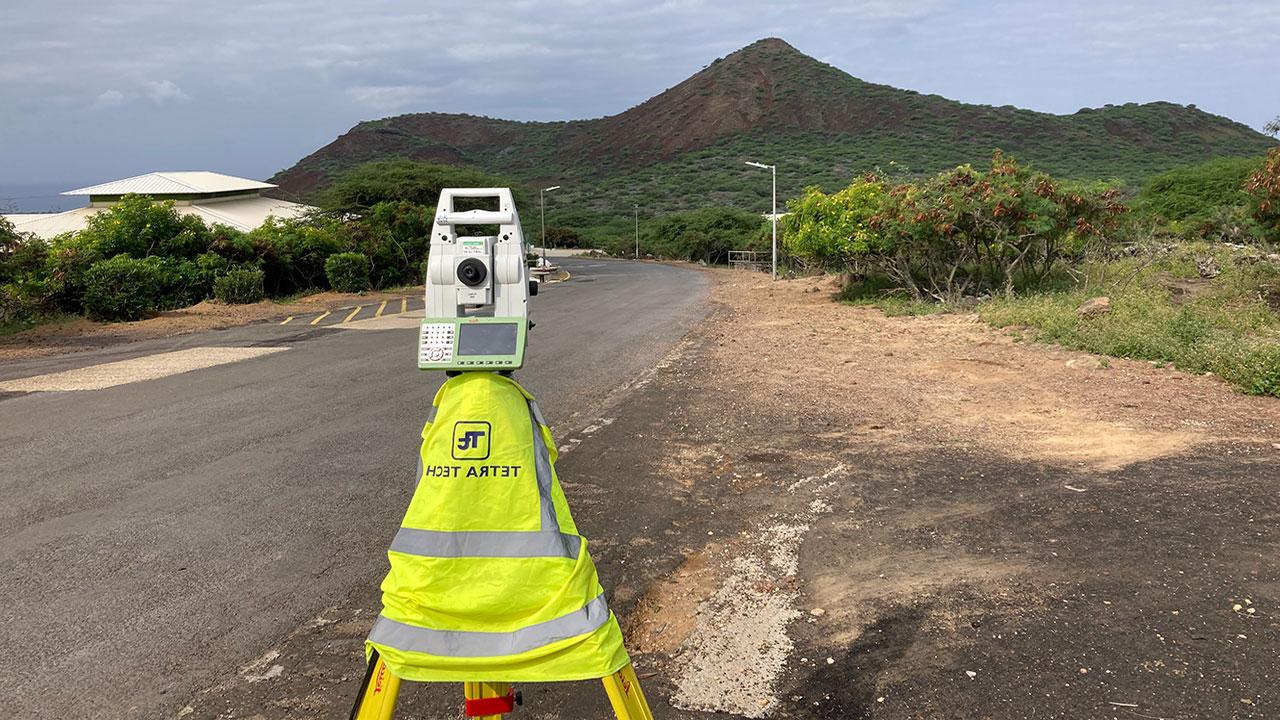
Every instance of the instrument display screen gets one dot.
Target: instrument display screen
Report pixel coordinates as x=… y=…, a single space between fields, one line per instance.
x=486 y=339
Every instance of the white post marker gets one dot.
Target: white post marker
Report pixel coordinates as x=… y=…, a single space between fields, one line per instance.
x=637 y=231
x=542 y=211
x=774 y=214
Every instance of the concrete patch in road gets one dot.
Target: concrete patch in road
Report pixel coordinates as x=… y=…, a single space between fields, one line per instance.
x=150 y=367
x=740 y=646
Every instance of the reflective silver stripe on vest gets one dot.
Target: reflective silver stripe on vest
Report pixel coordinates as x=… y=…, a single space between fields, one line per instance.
x=431 y=417
x=542 y=465
x=462 y=643
x=537 y=413
x=466 y=544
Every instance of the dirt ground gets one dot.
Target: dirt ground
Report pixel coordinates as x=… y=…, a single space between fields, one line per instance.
x=80 y=334
x=935 y=519
x=810 y=510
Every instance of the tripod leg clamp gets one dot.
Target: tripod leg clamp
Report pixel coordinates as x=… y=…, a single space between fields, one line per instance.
x=479 y=707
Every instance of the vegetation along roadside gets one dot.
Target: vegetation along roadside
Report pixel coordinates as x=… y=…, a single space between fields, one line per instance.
x=140 y=257
x=1184 y=270
x=1187 y=273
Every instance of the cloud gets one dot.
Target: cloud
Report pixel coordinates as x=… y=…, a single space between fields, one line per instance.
x=306 y=70
x=109 y=99
x=875 y=10
x=481 y=51
x=163 y=91
x=160 y=92
x=388 y=98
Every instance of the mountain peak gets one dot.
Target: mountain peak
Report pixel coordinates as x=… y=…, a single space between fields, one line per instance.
x=767 y=86
x=767 y=53
x=767 y=45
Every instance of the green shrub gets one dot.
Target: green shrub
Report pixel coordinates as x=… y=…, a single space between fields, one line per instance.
x=8 y=233
x=25 y=290
x=66 y=268
x=347 y=272
x=395 y=236
x=965 y=232
x=21 y=255
x=1232 y=224
x=208 y=267
x=292 y=252
x=706 y=235
x=239 y=286
x=182 y=282
x=122 y=288
x=138 y=226
x=364 y=186
x=23 y=301
x=13 y=308
x=832 y=230
x=190 y=242
x=564 y=237
x=231 y=244
x=1196 y=191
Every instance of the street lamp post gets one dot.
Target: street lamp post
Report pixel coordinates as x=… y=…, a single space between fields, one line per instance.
x=542 y=211
x=637 y=231
x=774 y=214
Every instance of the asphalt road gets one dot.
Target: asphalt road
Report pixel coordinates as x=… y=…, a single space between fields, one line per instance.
x=156 y=535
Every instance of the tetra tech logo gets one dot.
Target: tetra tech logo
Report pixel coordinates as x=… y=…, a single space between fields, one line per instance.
x=471 y=440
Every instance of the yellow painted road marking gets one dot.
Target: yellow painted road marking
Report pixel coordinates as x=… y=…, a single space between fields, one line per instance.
x=381 y=307
x=320 y=317
x=404 y=304
x=354 y=313
x=286 y=320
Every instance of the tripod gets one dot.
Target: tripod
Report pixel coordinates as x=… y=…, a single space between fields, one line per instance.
x=489 y=700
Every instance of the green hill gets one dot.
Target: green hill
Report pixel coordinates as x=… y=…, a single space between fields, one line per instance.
x=685 y=147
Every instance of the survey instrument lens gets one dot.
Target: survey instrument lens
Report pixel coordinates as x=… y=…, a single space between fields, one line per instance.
x=472 y=272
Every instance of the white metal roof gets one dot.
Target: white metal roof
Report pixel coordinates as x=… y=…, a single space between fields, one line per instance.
x=50 y=225
x=243 y=214
x=173 y=183
x=16 y=218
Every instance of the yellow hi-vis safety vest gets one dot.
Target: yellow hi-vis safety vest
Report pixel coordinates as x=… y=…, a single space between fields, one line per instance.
x=490 y=580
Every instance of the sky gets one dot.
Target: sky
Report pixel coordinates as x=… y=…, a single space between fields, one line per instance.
x=96 y=90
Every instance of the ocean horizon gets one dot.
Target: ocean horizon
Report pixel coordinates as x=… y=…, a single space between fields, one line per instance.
x=39 y=197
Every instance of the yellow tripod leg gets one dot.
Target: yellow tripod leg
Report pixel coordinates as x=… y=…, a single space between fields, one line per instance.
x=377 y=699
x=482 y=690
x=626 y=696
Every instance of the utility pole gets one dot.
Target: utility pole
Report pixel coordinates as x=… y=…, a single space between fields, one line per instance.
x=637 y=231
x=542 y=211
x=774 y=214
